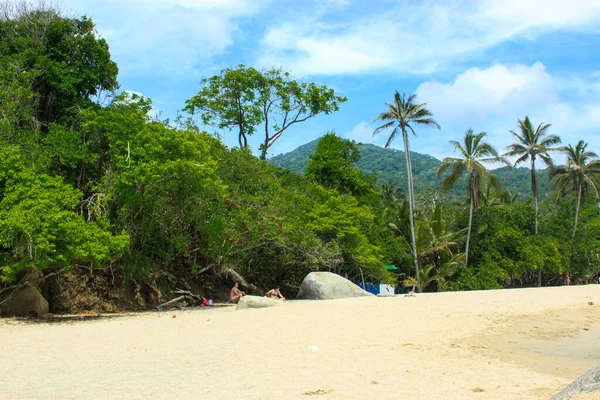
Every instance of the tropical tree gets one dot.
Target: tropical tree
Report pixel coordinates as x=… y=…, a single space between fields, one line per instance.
x=61 y=63
x=332 y=165
x=580 y=175
x=532 y=143
x=402 y=115
x=245 y=98
x=474 y=153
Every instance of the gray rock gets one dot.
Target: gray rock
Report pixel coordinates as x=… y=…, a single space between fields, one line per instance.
x=326 y=285
x=586 y=384
x=24 y=302
x=247 y=302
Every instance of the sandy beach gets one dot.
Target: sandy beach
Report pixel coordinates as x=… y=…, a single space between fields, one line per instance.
x=505 y=344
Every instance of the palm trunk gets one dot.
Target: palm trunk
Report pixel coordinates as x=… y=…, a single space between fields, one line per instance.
x=411 y=203
x=534 y=190
x=535 y=202
x=577 y=208
x=469 y=232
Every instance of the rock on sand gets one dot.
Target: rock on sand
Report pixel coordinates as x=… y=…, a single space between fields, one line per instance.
x=257 y=302
x=585 y=386
x=326 y=285
x=24 y=302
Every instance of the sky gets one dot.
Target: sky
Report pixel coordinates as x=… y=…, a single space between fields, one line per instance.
x=476 y=64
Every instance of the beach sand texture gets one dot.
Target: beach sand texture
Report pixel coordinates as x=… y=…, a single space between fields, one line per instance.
x=503 y=344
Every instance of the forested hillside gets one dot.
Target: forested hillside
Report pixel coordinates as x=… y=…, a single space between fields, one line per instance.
x=389 y=165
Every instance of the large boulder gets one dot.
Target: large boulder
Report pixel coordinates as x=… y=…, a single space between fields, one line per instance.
x=326 y=285
x=587 y=386
x=24 y=302
x=247 y=302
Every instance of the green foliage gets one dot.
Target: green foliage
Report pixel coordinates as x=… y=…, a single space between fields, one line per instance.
x=88 y=184
x=54 y=65
x=388 y=165
x=473 y=154
x=331 y=165
x=39 y=225
x=580 y=175
x=244 y=98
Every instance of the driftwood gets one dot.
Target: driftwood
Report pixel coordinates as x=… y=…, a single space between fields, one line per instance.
x=232 y=274
x=174 y=301
x=185 y=295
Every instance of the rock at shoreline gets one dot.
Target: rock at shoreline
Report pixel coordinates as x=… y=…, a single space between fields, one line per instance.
x=25 y=302
x=326 y=285
x=586 y=384
x=247 y=302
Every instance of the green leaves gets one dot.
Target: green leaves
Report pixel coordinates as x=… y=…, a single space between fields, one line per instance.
x=63 y=62
x=40 y=226
x=331 y=166
x=244 y=98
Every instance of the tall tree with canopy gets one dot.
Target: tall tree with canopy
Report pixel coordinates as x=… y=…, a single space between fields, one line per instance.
x=64 y=61
x=402 y=115
x=532 y=143
x=580 y=175
x=473 y=154
x=245 y=98
x=331 y=165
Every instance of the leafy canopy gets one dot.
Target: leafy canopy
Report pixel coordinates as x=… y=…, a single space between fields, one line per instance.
x=245 y=98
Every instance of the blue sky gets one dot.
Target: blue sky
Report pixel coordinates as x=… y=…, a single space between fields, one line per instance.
x=477 y=64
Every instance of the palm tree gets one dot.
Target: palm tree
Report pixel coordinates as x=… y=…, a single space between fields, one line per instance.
x=580 y=174
x=531 y=144
x=473 y=153
x=402 y=115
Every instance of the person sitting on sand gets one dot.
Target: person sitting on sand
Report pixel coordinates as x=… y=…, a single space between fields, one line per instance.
x=275 y=294
x=235 y=294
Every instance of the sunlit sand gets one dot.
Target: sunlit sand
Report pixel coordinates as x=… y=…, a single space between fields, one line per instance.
x=506 y=344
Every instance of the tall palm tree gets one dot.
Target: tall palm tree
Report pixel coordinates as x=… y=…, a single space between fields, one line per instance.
x=532 y=143
x=473 y=154
x=402 y=115
x=580 y=174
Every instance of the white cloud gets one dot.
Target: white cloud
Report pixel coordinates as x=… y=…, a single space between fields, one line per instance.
x=500 y=91
x=492 y=99
x=416 y=37
x=361 y=132
x=164 y=37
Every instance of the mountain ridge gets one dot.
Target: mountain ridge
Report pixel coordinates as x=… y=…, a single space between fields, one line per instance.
x=389 y=165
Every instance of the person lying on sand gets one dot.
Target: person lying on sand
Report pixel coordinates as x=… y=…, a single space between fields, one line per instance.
x=275 y=294
x=235 y=294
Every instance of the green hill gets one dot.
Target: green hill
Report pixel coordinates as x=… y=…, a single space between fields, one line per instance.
x=390 y=165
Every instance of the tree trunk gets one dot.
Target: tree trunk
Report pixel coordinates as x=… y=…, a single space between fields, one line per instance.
x=411 y=202
x=577 y=209
x=265 y=146
x=469 y=231
x=535 y=195
x=241 y=137
x=535 y=202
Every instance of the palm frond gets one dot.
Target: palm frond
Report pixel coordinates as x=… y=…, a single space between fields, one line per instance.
x=391 y=137
x=383 y=127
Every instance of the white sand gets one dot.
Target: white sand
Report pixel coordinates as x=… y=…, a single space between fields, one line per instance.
x=509 y=344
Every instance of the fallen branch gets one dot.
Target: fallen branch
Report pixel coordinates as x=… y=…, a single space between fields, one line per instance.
x=231 y=273
x=178 y=299
x=188 y=293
